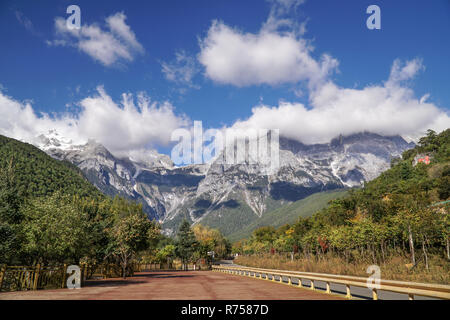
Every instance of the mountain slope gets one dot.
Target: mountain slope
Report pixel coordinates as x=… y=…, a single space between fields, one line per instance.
x=289 y=213
x=38 y=174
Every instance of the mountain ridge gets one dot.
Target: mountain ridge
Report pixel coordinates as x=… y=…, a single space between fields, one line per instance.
x=207 y=193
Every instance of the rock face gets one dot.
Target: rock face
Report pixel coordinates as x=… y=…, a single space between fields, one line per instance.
x=230 y=196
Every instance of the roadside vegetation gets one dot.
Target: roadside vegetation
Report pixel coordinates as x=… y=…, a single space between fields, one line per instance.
x=399 y=221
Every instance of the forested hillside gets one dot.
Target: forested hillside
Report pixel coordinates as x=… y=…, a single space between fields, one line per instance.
x=291 y=212
x=36 y=174
x=49 y=213
x=402 y=213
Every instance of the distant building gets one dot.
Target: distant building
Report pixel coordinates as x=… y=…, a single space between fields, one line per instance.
x=422 y=158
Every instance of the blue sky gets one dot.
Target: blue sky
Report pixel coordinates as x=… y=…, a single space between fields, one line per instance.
x=55 y=77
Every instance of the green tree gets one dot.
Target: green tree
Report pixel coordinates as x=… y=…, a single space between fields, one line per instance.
x=265 y=234
x=210 y=239
x=131 y=234
x=186 y=243
x=164 y=254
x=55 y=231
x=10 y=215
x=430 y=142
x=443 y=184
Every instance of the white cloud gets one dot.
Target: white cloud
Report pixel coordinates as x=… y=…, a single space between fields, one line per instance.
x=242 y=59
x=387 y=109
x=279 y=17
x=275 y=55
x=401 y=73
x=118 y=43
x=128 y=126
x=117 y=25
x=121 y=127
x=182 y=70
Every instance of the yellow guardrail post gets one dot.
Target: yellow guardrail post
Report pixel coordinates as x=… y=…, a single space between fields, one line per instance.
x=348 y=295
x=374 y=294
x=328 y=288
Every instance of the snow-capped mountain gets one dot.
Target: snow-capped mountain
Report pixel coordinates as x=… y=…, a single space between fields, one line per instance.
x=216 y=193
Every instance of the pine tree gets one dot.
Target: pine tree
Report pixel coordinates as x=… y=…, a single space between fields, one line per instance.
x=186 y=243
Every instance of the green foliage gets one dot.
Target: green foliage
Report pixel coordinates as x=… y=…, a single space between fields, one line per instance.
x=37 y=174
x=10 y=215
x=265 y=234
x=131 y=233
x=186 y=243
x=49 y=213
x=443 y=184
x=164 y=254
x=211 y=240
x=55 y=230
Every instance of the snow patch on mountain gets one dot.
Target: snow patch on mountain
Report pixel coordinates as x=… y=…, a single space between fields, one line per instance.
x=198 y=190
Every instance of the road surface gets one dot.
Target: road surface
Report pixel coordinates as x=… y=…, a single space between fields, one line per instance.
x=357 y=292
x=176 y=285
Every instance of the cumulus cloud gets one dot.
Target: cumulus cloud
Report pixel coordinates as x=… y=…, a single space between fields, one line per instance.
x=132 y=124
x=117 y=43
x=389 y=108
x=277 y=54
x=242 y=59
x=401 y=72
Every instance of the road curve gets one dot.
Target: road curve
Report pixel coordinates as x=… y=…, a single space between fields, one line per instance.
x=176 y=285
x=357 y=292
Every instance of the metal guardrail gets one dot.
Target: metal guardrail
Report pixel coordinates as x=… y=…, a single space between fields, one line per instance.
x=410 y=288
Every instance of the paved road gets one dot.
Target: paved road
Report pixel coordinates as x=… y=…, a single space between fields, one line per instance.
x=357 y=292
x=176 y=285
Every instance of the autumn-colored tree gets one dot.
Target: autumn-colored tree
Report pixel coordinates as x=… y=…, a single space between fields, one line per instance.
x=131 y=234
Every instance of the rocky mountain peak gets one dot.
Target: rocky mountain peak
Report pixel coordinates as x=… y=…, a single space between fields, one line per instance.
x=211 y=192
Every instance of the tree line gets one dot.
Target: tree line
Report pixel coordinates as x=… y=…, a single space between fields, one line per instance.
x=62 y=228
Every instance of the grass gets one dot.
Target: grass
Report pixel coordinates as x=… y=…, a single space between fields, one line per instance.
x=395 y=267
